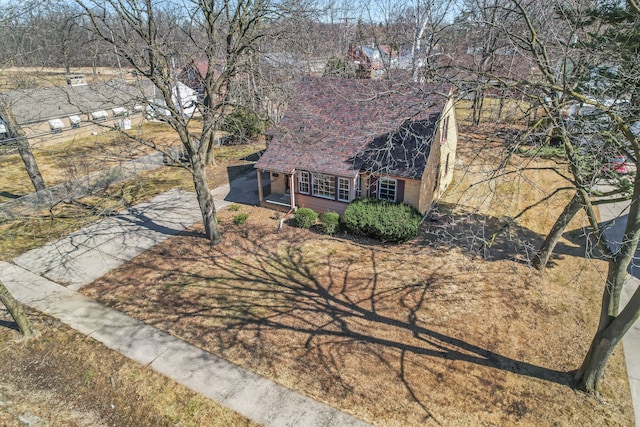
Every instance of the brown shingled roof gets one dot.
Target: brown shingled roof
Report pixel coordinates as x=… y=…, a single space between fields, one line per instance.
x=330 y=123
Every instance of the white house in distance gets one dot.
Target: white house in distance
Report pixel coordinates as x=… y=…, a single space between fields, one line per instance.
x=54 y=114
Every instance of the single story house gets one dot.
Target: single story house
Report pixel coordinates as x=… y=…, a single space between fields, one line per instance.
x=342 y=139
x=54 y=114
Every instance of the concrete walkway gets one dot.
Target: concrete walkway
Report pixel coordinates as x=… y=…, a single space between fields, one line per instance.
x=615 y=215
x=36 y=279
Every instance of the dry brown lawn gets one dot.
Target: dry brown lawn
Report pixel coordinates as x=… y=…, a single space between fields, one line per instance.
x=57 y=164
x=441 y=330
x=62 y=378
x=29 y=77
x=78 y=157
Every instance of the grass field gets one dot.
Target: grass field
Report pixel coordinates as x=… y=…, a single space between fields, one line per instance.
x=29 y=77
x=78 y=157
x=62 y=378
x=67 y=379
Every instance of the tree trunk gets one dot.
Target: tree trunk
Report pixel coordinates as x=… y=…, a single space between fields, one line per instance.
x=588 y=377
x=205 y=200
x=30 y=164
x=614 y=325
x=476 y=107
x=546 y=249
x=16 y=311
x=211 y=159
x=16 y=133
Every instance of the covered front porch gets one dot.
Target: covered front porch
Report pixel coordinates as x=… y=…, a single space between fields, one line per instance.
x=277 y=201
x=274 y=190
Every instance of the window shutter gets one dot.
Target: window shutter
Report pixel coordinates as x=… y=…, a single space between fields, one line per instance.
x=400 y=191
x=373 y=186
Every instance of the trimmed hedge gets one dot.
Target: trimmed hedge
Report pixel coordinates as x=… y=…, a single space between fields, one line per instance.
x=330 y=223
x=305 y=218
x=383 y=220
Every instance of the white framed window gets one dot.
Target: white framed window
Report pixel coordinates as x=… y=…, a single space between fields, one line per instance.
x=387 y=189
x=75 y=121
x=99 y=116
x=303 y=182
x=344 y=188
x=324 y=185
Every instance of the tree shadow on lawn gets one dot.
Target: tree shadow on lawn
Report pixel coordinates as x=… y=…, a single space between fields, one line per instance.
x=492 y=238
x=292 y=285
x=326 y=306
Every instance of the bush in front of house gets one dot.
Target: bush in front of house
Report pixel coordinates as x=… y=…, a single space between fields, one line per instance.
x=240 y=218
x=305 y=218
x=382 y=220
x=330 y=223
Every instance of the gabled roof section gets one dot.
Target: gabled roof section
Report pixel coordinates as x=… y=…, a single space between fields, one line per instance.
x=330 y=122
x=403 y=153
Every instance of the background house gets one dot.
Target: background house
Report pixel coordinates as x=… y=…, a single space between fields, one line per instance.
x=52 y=114
x=342 y=139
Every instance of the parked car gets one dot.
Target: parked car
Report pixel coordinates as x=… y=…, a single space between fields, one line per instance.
x=617 y=164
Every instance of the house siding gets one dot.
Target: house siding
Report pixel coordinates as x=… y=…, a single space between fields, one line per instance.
x=412 y=189
x=278 y=183
x=428 y=181
x=448 y=148
x=319 y=204
x=40 y=132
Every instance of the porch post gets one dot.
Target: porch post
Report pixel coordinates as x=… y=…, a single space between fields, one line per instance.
x=352 y=190
x=292 y=192
x=260 y=185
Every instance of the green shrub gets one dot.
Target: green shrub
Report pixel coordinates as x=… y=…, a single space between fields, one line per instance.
x=243 y=124
x=330 y=223
x=305 y=218
x=381 y=219
x=240 y=218
x=233 y=207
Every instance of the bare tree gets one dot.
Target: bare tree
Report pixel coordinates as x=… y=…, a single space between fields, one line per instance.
x=587 y=83
x=155 y=39
x=14 y=131
x=425 y=23
x=483 y=49
x=16 y=135
x=16 y=312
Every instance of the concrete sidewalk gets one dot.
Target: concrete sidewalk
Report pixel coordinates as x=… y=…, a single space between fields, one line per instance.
x=614 y=214
x=37 y=278
x=249 y=394
x=91 y=252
